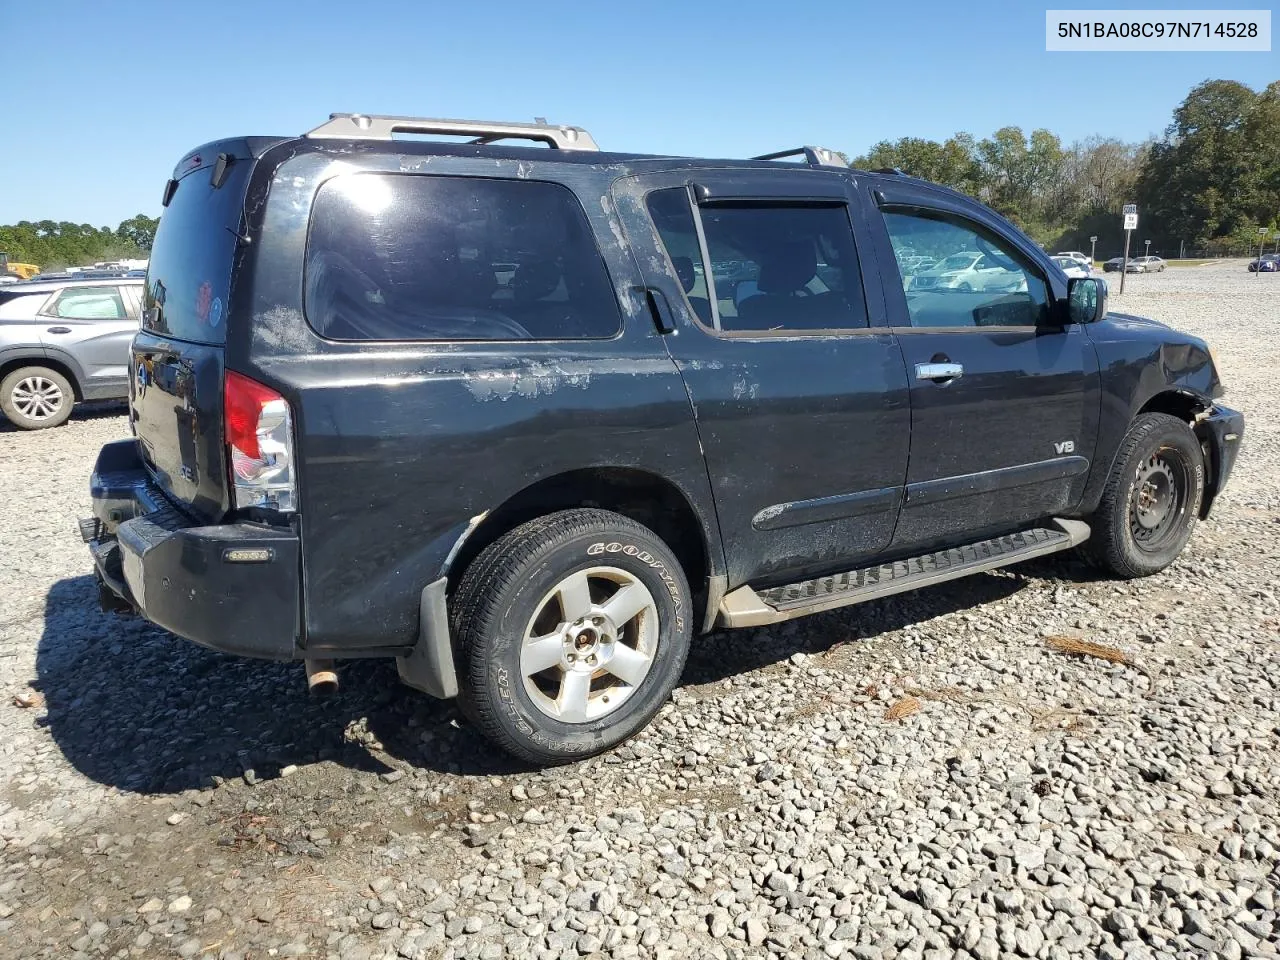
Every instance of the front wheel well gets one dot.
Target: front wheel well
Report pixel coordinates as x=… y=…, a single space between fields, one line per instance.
x=1177 y=403
x=8 y=366
x=1189 y=408
x=644 y=497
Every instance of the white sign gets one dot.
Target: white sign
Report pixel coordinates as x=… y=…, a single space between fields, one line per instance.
x=1262 y=231
x=1131 y=221
x=1129 y=208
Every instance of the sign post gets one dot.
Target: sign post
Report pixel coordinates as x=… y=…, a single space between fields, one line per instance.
x=1148 y=243
x=1130 y=225
x=1093 y=251
x=1262 y=242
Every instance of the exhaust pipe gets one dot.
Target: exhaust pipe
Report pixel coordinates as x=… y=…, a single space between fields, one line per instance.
x=322 y=677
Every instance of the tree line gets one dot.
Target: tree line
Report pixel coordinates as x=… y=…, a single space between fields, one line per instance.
x=54 y=246
x=1205 y=186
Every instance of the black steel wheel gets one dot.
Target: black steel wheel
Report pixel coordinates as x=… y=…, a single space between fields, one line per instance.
x=1158 y=499
x=1151 y=499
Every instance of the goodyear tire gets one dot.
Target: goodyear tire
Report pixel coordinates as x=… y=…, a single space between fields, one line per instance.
x=570 y=633
x=1151 y=499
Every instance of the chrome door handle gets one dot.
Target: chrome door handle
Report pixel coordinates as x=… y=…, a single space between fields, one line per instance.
x=939 y=371
x=59 y=329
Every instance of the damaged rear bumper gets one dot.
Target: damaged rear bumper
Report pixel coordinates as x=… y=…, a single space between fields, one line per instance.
x=233 y=587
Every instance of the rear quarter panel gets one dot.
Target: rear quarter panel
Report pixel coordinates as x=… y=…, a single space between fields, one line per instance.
x=401 y=445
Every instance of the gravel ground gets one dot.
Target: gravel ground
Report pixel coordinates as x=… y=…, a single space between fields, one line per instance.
x=159 y=799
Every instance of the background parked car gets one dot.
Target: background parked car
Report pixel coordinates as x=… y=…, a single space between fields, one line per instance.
x=1076 y=255
x=1114 y=265
x=63 y=341
x=1267 y=263
x=1071 y=266
x=1146 y=265
x=964 y=272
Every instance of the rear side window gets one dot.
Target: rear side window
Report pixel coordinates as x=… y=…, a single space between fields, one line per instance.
x=411 y=257
x=88 y=303
x=189 y=273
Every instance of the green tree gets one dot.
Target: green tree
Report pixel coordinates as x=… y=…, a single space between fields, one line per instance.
x=950 y=163
x=54 y=246
x=139 y=230
x=1211 y=177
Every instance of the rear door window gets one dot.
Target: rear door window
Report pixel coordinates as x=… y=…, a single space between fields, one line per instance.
x=88 y=303
x=412 y=257
x=774 y=266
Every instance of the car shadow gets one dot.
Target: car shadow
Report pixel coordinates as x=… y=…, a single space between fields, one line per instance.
x=137 y=708
x=726 y=653
x=90 y=410
x=1062 y=566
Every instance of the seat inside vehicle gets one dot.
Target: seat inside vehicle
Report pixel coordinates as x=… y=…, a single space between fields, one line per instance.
x=785 y=298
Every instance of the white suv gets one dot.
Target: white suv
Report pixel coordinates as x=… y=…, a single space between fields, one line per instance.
x=1077 y=256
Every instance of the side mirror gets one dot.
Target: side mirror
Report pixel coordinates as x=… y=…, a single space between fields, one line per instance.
x=1086 y=299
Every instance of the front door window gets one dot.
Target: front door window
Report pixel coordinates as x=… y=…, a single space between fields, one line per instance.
x=957 y=275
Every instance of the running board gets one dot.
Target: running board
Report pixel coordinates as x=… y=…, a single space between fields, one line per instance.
x=745 y=607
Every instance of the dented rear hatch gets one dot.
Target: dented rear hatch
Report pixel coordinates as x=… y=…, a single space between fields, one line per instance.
x=177 y=363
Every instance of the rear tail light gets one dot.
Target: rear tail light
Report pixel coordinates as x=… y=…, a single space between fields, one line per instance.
x=259 y=429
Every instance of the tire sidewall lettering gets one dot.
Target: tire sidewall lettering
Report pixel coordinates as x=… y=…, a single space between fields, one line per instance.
x=648 y=559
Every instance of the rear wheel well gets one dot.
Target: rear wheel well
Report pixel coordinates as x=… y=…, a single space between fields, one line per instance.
x=644 y=497
x=9 y=366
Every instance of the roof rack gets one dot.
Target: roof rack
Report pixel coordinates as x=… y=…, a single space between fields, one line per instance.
x=361 y=126
x=814 y=156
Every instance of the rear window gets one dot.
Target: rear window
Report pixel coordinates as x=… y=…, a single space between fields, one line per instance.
x=189 y=274
x=412 y=257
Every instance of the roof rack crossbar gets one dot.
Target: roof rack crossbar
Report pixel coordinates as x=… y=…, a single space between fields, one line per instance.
x=360 y=126
x=814 y=156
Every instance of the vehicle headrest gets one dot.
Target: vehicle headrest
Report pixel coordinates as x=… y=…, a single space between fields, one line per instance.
x=788 y=267
x=684 y=270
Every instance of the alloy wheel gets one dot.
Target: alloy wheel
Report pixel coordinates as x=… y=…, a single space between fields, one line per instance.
x=37 y=398
x=589 y=644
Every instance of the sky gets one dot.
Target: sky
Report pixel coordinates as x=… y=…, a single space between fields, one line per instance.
x=104 y=98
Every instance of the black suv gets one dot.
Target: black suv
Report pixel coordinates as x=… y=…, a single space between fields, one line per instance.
x=528 y=419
